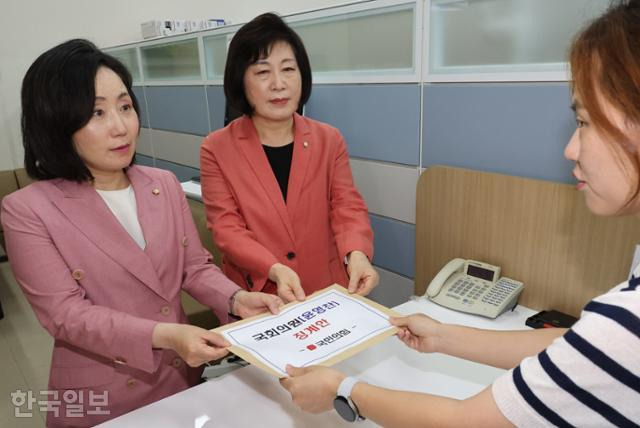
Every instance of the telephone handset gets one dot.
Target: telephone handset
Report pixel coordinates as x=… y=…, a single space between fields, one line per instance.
x=474 y=287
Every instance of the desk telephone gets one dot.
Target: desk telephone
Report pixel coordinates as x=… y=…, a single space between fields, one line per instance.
x=474 y=287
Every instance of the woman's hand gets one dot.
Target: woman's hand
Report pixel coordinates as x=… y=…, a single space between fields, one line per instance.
x=195 y=345
x=418 y=331
x=287 y=281
x=362 y=276
x=246 y=304
x=313 y=389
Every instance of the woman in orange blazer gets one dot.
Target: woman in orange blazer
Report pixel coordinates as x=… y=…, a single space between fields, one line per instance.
x=277 y=186
x=102 y=249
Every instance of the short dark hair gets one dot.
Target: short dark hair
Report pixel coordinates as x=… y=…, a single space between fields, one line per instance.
x=58 y=97
x=253 y=41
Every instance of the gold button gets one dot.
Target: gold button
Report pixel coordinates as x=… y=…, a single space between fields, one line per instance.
x=177 y=363
x=185 y=241
x=77 y=274
x=120 y=360
x=156 y=191
x=305 y=144
x=166 y=310
x=131 y=382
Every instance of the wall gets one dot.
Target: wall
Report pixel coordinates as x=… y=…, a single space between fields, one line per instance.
x=392 y=130
x=29 y=27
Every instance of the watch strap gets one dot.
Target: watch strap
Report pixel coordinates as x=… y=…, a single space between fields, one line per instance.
x=346 y=386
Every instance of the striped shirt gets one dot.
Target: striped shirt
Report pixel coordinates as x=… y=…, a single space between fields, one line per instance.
x=588 y=377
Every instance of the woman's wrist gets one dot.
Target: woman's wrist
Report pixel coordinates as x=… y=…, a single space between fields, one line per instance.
x=233 y=299
x=161 y=336
x=446 y=338
x=273 y=271
x=355 y=254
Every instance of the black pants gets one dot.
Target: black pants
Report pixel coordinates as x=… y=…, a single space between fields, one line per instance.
x=1 y=313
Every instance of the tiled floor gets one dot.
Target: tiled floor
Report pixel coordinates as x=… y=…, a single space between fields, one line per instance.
x=25 y=353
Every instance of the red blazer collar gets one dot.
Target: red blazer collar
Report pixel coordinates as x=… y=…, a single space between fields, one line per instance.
x=303 y=148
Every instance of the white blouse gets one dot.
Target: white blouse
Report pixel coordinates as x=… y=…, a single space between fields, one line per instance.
x=122 y=204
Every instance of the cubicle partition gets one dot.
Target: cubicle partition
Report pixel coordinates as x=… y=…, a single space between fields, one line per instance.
x=410 y=84
x=539 y=232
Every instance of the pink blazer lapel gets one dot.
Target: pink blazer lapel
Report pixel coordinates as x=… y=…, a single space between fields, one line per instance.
x=302 y=153
x=84 y=208
x=252 y=149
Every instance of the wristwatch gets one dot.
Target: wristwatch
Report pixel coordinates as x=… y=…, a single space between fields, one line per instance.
x=343 y=403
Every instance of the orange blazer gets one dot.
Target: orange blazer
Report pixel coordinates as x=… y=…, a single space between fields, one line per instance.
x=323 y=219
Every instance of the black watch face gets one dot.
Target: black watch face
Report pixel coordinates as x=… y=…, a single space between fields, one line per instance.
x=344 y=409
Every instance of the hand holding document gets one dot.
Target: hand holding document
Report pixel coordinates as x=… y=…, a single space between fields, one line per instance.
x=329 y=326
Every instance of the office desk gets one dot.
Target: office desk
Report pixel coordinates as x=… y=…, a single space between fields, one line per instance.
x=249 y=397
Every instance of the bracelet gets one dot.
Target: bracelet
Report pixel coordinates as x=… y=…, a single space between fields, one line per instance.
x=232 y=300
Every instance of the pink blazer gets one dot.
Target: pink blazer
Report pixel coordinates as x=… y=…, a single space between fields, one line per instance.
x=100 y=295
x=323 y=219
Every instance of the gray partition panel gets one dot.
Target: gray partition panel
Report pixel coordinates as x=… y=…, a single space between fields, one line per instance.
x=393 y=289
x=378 y=121
x=184 y=173
x=516 y=129
x=138 y=91
x=217 y=101
x=144 y=160
x=178 y=108
x=394 y=245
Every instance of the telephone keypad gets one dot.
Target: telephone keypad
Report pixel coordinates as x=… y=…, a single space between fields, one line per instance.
x=500 y=291
x=468 y=289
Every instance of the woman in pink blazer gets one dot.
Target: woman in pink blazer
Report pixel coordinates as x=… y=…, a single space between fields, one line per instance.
x=277 y=186
x=102 y=249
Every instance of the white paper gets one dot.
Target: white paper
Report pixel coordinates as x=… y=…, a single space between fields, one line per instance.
x=310 y=332
x=192 y=189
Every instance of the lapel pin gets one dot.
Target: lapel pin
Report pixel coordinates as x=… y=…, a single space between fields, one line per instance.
x=156 y=191
x=305 y=144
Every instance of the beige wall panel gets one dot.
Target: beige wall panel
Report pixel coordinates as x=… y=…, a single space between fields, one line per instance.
x=539 y=232
x=144 y=142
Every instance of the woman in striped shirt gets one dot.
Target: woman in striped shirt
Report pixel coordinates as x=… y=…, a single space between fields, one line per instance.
x=588 y=375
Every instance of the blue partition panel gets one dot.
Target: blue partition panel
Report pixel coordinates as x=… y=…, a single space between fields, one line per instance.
x=138 y=91
x=378 y=121
x=516 y=129
x=394 y=245
x=217 y=101
x=178 y=108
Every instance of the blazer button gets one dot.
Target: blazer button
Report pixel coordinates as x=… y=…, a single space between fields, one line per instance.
x=155 y=191
x=166 y=310
x=177 y=363
x=185 y=241
x=77 y=274
x=131 y=382
x=291 y=255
